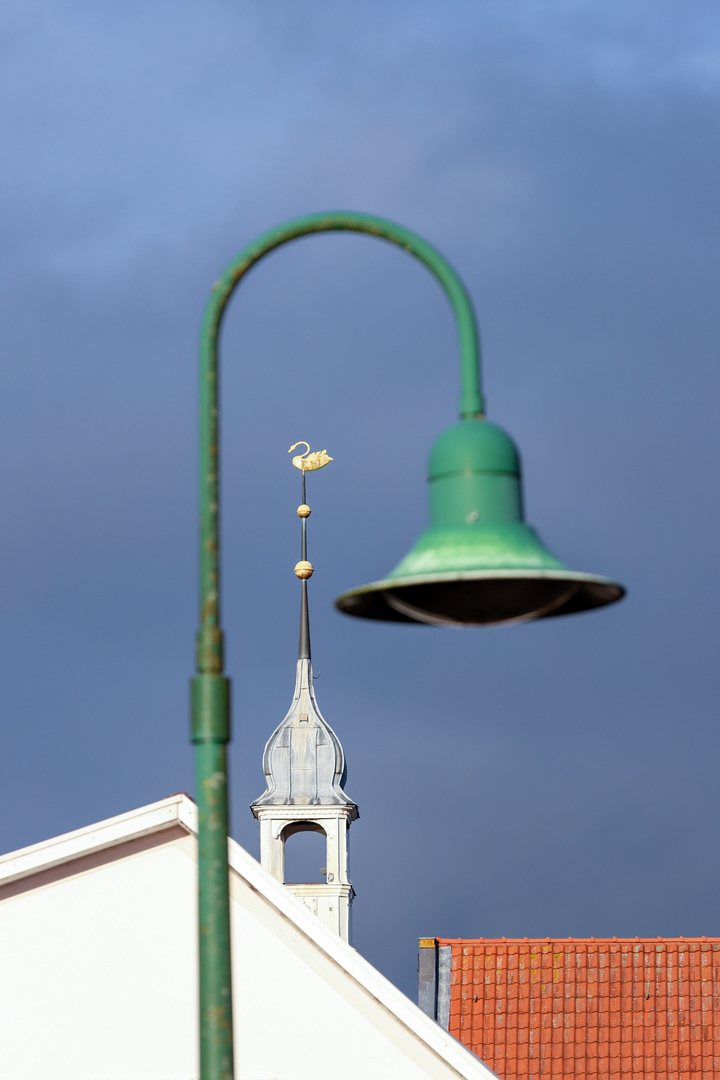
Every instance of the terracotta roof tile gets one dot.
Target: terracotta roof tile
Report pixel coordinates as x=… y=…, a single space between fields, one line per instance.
x=605 y=1008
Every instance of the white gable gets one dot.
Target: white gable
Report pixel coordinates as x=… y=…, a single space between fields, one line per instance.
x=98 y=969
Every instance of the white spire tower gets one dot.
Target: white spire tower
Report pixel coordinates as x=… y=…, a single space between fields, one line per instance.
x=304 y=768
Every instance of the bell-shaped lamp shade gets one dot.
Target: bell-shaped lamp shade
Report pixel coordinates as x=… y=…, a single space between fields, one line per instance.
x=478 y=563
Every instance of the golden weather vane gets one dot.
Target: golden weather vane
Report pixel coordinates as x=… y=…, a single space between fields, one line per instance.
x=307 y=462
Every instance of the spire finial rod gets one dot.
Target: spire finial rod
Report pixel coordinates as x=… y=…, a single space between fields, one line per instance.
x=306 y=462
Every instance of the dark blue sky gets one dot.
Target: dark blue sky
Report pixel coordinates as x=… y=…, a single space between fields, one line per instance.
x=550 y=779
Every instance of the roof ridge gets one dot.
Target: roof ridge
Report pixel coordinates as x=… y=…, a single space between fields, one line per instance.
x=569 y=940
x=178 y=809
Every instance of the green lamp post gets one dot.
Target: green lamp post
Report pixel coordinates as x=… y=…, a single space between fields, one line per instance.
x=477 y=563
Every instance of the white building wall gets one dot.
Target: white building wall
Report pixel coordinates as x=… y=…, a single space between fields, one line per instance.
x=97 y=972
x=98 y=978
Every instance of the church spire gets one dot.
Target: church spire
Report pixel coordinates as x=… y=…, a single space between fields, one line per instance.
x=304 y=767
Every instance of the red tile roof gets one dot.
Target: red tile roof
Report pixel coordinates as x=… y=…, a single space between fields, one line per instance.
x=606 y=1008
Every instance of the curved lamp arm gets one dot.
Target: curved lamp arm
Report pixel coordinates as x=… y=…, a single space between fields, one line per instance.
x=471 y=398
x=210 y=688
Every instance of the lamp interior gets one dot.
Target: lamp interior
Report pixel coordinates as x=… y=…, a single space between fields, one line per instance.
x=479 y=601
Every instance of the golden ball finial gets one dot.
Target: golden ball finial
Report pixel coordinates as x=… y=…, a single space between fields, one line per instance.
x=303 y=569
x=303 y=511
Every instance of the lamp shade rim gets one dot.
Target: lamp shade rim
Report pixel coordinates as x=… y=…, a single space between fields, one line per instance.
x=386 y=599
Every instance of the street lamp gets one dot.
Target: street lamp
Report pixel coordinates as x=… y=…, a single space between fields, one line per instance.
x=477 y=563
